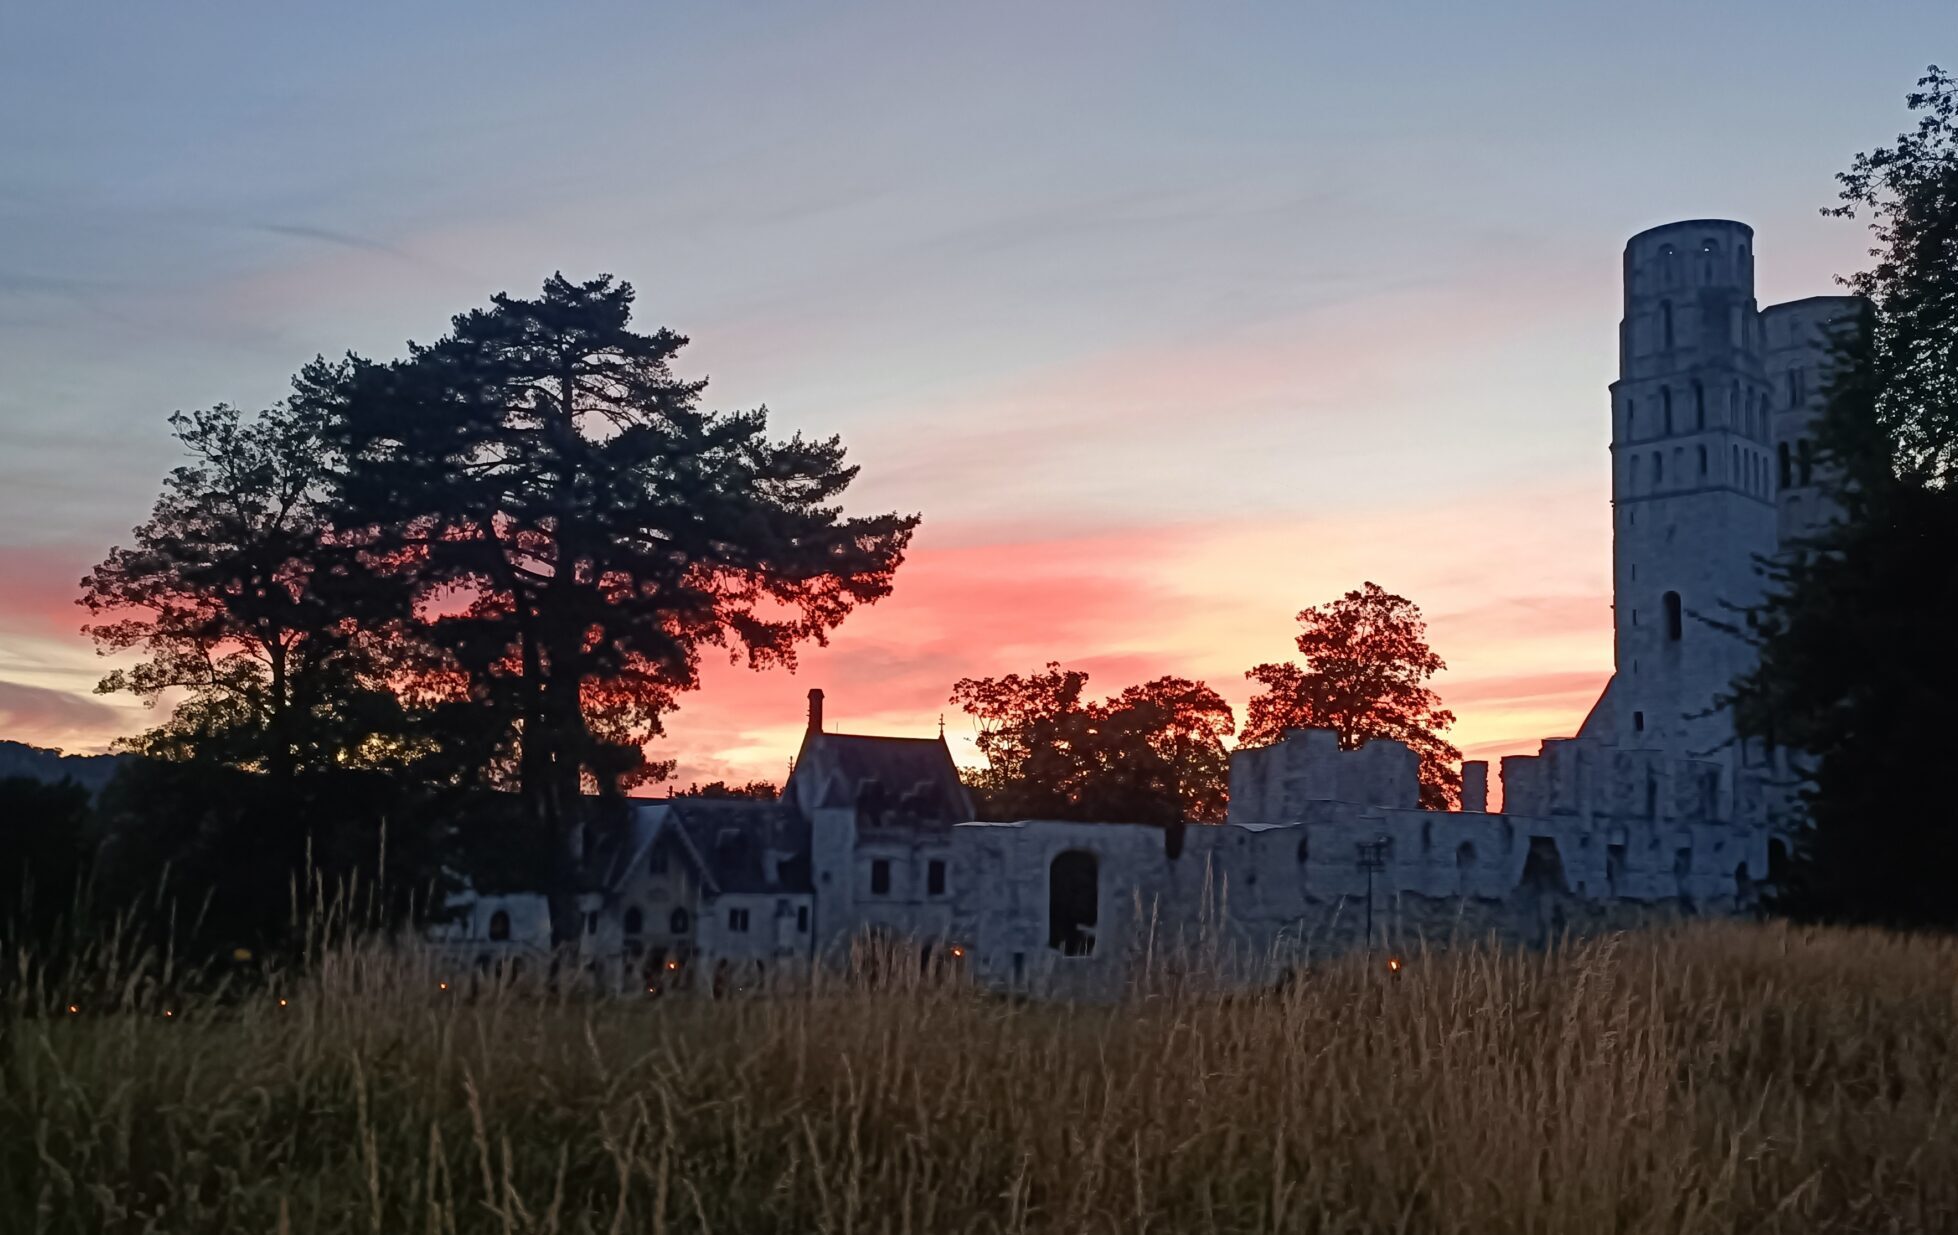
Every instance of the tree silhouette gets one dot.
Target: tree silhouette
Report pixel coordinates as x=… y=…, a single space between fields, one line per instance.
x=1367 y=665
x=1152 y=754
x=242 y=598
x=758 y=790
x=576 y=531
x=1855 y=668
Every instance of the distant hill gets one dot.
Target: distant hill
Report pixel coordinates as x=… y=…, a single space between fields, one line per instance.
x=91 y=772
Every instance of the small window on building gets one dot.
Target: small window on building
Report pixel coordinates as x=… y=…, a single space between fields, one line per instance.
x=935 y=878
x=737 y=921
x=499 y=926
x=1674 y=623
x=880 y=877
x=635 y=921
x=1806 y=457
x=679 y=922
x=1638 y=722
x=591 y=924
x=1786 y=459
x=802 y=919
x=656 y=864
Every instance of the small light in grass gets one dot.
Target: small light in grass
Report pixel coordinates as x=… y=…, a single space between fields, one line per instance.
x=441 y=986
x=72 y=1009
x=1393 y=964
x=958 y=952
x=282 y=1003
x=673 y=964
x=167 y=1012
x=241 y=954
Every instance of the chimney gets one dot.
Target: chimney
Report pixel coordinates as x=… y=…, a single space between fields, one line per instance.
x=815 y=711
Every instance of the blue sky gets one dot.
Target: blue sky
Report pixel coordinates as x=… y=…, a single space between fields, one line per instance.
x=1214 y=309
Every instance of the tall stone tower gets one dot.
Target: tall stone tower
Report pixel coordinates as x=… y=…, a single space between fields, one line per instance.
x=1693 y=477
x=1797 y=355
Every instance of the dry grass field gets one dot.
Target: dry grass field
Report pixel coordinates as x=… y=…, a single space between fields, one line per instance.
x=1729 y=1078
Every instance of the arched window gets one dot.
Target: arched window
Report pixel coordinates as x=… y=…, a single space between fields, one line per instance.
x=679 y=923
x=1665 y=407
x=1699 y=405
x=1675 y=626
x=1073 y=903
x=635 y=921
x=1806 y=455
x=1702 y=460
x=1665 y=321
x=1658 y=468
x=1787 y=462
x=1734 y=478
x=1631 y=421
x=499 y=926
x=1634 y=481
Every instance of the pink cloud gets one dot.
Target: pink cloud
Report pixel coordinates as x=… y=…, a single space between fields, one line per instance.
x=41 y=716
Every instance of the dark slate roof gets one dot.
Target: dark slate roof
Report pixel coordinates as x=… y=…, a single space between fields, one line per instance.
x=731 y=834
x=722 y=839
x=918 y=770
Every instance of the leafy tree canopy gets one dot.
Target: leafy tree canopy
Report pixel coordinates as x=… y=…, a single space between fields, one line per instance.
x=1152 y=754
x=1366 y=672
x=263 y=625
x=1855 y=668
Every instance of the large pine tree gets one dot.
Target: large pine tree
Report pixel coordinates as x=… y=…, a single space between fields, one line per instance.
x=578 y=530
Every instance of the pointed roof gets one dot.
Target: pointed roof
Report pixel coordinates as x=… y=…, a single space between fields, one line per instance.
x=832 y=770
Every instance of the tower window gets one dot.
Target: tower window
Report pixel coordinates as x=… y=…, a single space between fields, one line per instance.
x=1699 y=406
x=1674 y=625
x=1638 y=722
x=1631 y=420
x=1658 y=468
x=1736 y=472
x=1702 y=460
x=1807 y=456
x=1665 y=407
x=1787 y=465
x=1665 y=320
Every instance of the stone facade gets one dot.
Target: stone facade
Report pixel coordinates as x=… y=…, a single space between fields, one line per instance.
x=1651 y=811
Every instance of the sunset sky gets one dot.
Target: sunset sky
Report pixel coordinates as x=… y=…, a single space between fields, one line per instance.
x=1170 y=319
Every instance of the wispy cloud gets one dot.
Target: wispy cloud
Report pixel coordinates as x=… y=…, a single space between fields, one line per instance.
x=41 y=716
